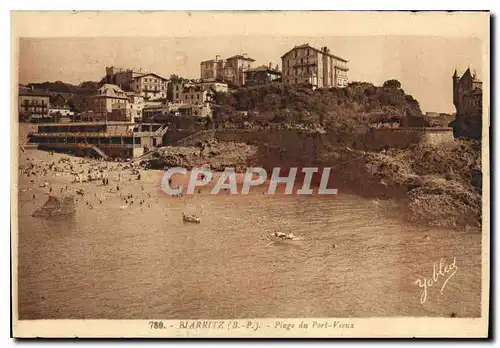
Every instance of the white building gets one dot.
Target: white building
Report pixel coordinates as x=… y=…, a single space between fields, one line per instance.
x=61 y=110
x=136 y=103
x=214 y=86
x=111 y=103
x=318 y=68
x=150 y=86
x=230 y=70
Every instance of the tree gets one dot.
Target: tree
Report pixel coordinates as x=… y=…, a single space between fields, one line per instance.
x=88 y=87
x=80 y=103
x=57 y=100
x=392 y=84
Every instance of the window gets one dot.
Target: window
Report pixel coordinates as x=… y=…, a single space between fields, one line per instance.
x=295 y=54
x=301 y=60
x=307 y=52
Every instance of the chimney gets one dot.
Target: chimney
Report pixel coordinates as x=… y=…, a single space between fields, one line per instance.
x=277 y=67
x=270 y=65
x=217 y=58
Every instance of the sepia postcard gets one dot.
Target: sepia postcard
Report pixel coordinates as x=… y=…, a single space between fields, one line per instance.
x=250 y=174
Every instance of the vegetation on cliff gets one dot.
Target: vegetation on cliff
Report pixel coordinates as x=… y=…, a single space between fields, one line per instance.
x=77 y=97
x=351 y=109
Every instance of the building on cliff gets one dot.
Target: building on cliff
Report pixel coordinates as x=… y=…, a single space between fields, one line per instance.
x=262 y=75
x=111 y=104
x=122 y=77
x=149 y=85
x=318 y=68
x=467 y=98
x=231 y=70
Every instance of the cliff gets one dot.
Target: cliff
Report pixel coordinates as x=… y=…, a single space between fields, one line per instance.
x=438 y=186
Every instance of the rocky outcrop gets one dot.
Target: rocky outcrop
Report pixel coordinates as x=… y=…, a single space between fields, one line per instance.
x=210 y=153
x=56 y=206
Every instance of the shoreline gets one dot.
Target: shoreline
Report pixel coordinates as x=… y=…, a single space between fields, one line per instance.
x=355 y=180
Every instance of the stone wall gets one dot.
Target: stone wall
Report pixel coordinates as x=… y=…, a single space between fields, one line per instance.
x=307 y=143
x=380 y=138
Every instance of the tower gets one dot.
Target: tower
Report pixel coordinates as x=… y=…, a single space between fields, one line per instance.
x=455 y=87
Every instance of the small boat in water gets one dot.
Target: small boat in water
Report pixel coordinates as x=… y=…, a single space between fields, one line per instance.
x=191 y=218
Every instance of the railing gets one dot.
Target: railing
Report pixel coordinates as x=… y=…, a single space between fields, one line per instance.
x=84 y=134
x=85 y=146
x=305 y=64
x=415 y=129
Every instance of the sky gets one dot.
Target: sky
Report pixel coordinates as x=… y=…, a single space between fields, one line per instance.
x=423 y=64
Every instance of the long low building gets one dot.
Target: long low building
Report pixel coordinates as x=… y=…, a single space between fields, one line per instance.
x=107 y=139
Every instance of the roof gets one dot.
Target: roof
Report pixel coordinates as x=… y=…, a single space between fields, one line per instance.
x=149 y=74
x=467 y=73
x=240 y=56
x=108 y=90
x=264 y=68
x=163 y=106
x=315 y=49
x=90 y=123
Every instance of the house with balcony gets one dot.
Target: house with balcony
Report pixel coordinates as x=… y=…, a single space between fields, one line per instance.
x=33 y=105
x=123 y=77
x=111 y=103
x=150 y=86
x=230 y=70
x=318 y=68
